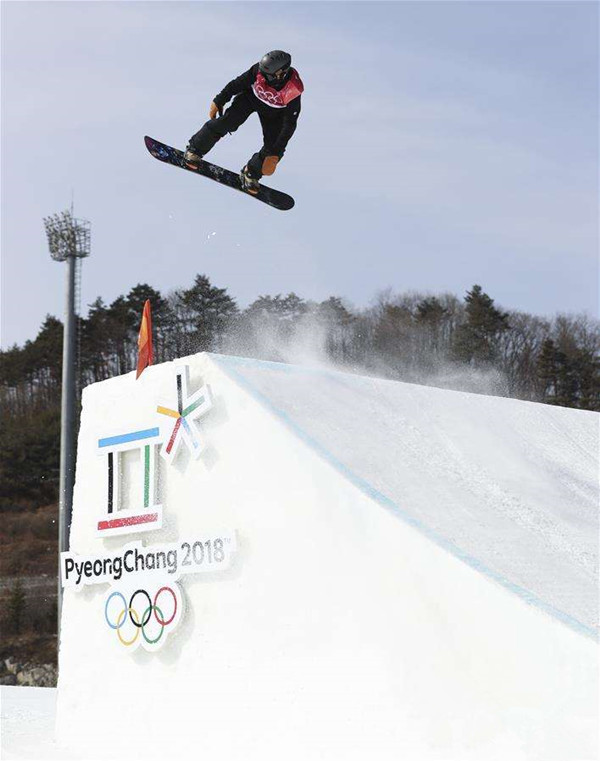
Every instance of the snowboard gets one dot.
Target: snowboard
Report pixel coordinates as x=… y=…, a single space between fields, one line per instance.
x=174 y=156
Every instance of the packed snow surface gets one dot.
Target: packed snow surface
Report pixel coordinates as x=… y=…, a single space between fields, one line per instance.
x=27 y=715
x=513 y=485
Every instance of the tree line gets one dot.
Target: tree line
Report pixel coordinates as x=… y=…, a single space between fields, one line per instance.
x=465 y=344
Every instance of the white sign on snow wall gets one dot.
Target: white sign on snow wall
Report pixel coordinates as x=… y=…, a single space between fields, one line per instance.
x=144 y=602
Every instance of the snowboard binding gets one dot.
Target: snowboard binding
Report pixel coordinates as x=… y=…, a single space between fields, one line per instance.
x=249 y=184
x=191 y=158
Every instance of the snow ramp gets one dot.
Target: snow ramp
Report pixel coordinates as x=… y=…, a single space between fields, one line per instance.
x=408 y=570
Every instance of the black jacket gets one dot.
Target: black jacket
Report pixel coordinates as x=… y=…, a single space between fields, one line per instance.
x=288 y=114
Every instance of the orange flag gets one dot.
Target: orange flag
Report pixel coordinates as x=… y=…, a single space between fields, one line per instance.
x=145 y=355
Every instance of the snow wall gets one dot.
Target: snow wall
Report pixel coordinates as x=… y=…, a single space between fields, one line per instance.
x=365 y=569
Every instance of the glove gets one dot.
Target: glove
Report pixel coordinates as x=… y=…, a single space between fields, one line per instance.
x=270 y=165
x=214 y=110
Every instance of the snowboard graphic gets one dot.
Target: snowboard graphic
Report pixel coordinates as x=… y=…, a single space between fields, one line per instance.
x=170 y=155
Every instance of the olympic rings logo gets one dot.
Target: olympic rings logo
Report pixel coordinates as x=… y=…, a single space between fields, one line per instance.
x=269 y=97
x=150 y=619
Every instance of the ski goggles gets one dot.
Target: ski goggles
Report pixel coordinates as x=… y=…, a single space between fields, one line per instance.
x=277 y=76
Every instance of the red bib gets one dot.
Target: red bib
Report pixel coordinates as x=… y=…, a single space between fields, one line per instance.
x=278 y=98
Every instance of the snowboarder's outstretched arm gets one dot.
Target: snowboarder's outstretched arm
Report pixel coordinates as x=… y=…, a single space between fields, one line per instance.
x=236 y=86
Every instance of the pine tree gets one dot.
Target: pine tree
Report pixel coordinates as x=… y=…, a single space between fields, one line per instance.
x=47 y=353
x=95 y=351
x=121 y=329
x=207 y=310
x=475 y=340
x=16 y=606
x=566 y=391
x=547 y=371
x=430 y=315
x=333 y=317
x=587 y=371
x=430 y=311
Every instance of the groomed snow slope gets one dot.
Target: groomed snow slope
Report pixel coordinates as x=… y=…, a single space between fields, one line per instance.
x=510 y=486
x=414 y=576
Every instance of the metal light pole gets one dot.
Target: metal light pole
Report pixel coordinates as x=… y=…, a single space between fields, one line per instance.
x=69 y=240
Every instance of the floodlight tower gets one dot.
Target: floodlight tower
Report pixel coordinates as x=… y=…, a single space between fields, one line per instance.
x=69 y=240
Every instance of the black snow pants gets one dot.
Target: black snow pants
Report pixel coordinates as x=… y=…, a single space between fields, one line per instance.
x=241 y=107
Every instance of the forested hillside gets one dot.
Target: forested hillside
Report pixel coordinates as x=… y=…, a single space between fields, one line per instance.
x=467 y=344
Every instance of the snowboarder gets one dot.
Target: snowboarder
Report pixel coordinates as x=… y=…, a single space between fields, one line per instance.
x=272 y=88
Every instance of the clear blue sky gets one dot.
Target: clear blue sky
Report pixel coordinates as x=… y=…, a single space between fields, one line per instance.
x=441 y=144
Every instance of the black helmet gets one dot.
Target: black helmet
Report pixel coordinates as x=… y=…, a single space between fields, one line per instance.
x=275 y=63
